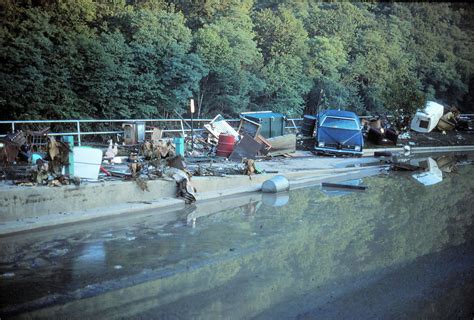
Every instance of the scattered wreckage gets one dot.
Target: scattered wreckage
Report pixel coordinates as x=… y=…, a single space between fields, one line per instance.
x=429 y=170
x=220 y=149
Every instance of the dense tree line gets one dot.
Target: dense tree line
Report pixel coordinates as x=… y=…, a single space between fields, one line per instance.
x=146 y=58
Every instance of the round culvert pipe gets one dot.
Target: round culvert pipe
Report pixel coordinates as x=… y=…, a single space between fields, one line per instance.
x=276 y=184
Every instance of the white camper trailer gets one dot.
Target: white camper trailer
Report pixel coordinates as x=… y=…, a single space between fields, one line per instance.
x=427 y=119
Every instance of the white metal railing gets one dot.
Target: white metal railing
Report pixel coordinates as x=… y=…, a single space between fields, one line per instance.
x=180 y=123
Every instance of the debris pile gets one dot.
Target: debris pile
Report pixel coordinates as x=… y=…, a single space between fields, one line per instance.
x=380 y=131
x=433 y=118
x=216 y=149
x=10 y=147
x=38 y=168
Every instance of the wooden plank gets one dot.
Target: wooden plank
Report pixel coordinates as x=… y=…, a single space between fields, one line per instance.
x=282 y=144
x=400 y=166
x=342 y=186
x=266 y=146
x=246 y=148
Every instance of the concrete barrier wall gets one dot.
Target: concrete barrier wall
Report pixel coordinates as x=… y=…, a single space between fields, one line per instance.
x=25 y=208
x=22 y=202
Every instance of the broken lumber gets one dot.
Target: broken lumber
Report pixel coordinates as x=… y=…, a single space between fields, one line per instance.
x=282 y=144
x=342 y=186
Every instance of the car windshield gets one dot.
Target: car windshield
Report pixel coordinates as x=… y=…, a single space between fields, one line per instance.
x=340 y=123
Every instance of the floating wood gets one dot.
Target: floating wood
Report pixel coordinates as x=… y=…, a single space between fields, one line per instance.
x=342 y=186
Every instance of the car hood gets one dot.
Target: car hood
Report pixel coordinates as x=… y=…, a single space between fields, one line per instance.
x=341 y=136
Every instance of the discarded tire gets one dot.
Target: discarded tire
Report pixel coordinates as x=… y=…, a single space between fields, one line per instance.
x=375 y=135
x=391 y=135
x=276 y=184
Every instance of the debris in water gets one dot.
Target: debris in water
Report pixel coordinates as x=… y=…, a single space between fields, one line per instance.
x=399 y=166
x=342 y=186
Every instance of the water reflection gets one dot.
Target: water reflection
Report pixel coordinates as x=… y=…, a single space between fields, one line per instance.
x=434 y=168
x=92 y=256
x=432 y=173
x=249 y=204
x=250 y=251
x=449 y=163
x=276 y=199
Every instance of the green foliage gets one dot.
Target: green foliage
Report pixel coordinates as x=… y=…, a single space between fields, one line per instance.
x=230 y=53
x=165 y=72
x=284 y=44
x=146 y=58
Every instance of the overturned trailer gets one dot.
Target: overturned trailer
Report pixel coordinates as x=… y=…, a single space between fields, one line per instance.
x=426 y=120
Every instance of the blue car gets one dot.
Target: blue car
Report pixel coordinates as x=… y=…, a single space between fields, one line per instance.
x=339 y=133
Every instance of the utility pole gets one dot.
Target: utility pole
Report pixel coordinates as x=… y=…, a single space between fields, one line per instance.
x=191 y=109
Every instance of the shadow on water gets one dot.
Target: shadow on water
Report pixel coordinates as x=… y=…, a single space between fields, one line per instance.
x=397 y=248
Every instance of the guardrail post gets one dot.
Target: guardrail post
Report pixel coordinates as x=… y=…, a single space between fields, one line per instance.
x=70 y=142
x=294 y=125
x=78 y=126
x=182 y=127
x=13 y=127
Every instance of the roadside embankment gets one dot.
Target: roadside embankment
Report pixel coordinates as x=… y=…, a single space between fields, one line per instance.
x=27 y=208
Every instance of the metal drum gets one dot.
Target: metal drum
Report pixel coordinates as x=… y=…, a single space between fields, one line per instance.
x=225 y=146
x=276 y=184
x=307 y=129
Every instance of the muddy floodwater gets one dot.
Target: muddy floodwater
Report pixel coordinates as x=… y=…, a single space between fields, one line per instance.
x=404 y=248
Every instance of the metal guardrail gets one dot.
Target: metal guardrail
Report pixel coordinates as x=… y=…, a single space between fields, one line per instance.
x=181 y=123
x=291 y=123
